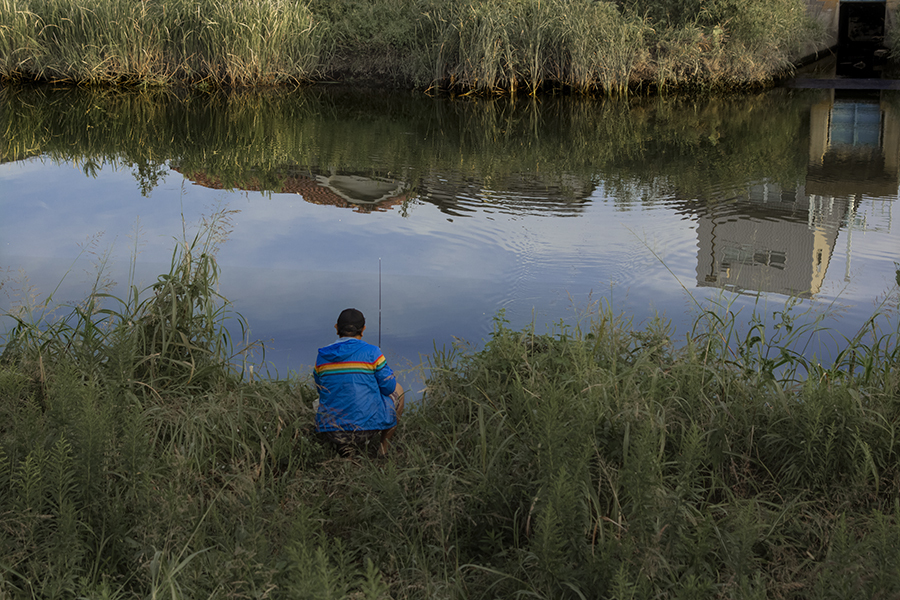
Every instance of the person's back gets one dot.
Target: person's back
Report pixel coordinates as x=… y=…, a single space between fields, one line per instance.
x=359 y=397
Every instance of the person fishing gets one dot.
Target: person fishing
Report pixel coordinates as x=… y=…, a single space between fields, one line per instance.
x=360 y=400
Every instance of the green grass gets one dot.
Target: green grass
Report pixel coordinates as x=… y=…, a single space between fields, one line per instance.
x=468 y=46
x=598 y=460
x=171 y=335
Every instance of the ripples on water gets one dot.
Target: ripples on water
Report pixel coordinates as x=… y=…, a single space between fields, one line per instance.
x=537 y=208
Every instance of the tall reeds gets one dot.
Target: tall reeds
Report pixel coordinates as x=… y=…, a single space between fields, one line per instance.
x=216 y=41
x=463 y=45
x=723 y=44
x=489 y=47
x=582 y=45
x=172 y=335
x=615 y=461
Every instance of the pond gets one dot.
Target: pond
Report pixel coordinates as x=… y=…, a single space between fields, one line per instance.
x=433 y=215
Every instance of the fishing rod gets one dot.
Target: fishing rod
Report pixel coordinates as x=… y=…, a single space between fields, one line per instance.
x=379 y=302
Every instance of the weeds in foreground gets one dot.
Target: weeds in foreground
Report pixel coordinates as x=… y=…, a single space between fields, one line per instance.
x=174 y=338
x=598 y=460
x=616 y=460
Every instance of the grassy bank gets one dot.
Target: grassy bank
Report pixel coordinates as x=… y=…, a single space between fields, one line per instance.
x=463 y=45
x=599 y=461
x=117 y=41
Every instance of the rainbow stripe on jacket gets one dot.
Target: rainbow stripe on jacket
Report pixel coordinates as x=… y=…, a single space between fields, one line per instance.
x=351 y=367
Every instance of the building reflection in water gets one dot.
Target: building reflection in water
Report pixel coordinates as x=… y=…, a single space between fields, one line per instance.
x=362 y=193
x=781 y=240
x=452 y=192
x=772 y=240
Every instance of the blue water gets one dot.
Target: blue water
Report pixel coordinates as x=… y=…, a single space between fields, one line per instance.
x=434 y=234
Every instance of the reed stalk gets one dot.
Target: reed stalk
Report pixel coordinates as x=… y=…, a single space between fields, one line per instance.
x=218 y=41
x=173 y=338
x=465 y=45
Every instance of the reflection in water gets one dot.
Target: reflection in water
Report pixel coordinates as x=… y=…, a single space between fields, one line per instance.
x=854 y=146
x=363 y=194
x=781 y=240
x=455 y=194
x=772 y=240
x=464 y=199
x=357 y=189
x=452 y=192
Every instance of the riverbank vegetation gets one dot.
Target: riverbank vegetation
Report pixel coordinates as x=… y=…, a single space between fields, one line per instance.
x=464 y=45
x=600 y=460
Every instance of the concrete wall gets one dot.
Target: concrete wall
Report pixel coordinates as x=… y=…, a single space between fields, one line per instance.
x=827 y=13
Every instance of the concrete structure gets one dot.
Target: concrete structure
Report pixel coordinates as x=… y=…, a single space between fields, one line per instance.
x=828 y=14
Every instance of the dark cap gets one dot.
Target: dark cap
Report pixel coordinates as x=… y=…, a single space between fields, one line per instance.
x=351 y=322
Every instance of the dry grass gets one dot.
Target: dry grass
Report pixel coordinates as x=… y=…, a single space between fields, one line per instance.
x=465 y=45
x=216 y=41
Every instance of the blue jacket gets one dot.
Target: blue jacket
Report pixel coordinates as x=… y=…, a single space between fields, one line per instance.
x=355 y=384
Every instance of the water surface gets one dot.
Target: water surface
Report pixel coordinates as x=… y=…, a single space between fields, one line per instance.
x=467 y=207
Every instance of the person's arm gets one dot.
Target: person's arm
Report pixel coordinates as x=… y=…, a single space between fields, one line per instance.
x=387 y=382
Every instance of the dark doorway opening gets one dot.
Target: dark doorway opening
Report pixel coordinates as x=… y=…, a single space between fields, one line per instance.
x=861 y=51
